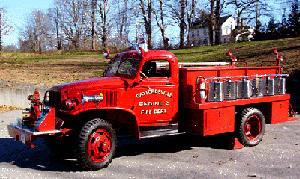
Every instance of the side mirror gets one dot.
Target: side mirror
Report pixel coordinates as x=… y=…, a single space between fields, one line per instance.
x=106 y=53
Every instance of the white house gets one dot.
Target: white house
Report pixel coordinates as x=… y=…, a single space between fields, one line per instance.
x=228 y=24
x=199 y=32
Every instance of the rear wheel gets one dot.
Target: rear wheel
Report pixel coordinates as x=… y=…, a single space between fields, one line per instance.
x=251 y=127
x=96 y=145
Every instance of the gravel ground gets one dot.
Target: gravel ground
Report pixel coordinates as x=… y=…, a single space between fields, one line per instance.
x=277 y=156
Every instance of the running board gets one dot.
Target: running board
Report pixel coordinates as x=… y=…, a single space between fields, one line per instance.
x=159 y=131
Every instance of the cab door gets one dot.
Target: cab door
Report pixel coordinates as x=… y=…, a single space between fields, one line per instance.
x=155 y=95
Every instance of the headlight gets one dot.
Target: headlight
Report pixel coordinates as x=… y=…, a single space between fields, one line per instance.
x=71 y=104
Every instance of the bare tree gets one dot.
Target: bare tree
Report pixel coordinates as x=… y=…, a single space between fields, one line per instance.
x=190 y=14
x=55 y=16
x=217 y=22
x=182 y=23
x=121 y=22
x=160 y=21
x=147 y=16
x=93 y=18
x=242 y=7
x=211 y=26
x=103 y=10
x=184 y=14
x=73 y=20
x=38 y=32
x=124 y=21
x=214 y=21
x=5 y=28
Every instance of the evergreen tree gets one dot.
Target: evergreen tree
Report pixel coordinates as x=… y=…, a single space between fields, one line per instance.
x=294 y=17
x=272 y=25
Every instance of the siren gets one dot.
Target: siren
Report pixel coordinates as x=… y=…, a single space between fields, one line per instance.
x=142 y=46
x=228 y=54
x=106 y=53
x=233 y=59
x=278 y=58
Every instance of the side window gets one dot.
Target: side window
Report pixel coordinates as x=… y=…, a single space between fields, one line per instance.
x=157 y=68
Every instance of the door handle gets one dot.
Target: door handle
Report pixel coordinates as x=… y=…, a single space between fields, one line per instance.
x=170 y=83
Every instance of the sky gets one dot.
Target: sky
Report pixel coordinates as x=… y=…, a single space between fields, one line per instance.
x=17 y=12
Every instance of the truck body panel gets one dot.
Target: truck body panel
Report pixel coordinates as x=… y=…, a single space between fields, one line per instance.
x=188 y=77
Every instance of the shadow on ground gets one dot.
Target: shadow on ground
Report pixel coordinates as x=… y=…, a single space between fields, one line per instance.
x=41 y=158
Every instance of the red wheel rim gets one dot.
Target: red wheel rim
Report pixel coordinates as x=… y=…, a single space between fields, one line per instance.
x=252 y=128
x=99 y=145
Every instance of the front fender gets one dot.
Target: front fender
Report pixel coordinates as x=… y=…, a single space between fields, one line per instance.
x=113 y=114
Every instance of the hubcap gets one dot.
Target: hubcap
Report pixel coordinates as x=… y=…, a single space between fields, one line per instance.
x=252 y=128
x=99 y=145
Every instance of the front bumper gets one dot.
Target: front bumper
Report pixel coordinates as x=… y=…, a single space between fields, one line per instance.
x=26 y=135
x=44 y=126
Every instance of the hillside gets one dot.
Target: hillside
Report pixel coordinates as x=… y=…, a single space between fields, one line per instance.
x=49 y=69
x=253 y=52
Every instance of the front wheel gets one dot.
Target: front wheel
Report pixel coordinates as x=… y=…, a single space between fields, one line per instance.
x=251 y=127
x=96 y=145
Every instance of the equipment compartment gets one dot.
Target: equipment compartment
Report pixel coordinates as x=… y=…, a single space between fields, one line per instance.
x=268 y=86
x=280 y=86
x=229 y=90
x=244 y=89
x=215 y=92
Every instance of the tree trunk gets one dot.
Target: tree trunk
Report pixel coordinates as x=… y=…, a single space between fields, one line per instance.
x=94 y=2
x=182 y=23
x=163 y=29
x=103 y=14
x=147 y=20
x=217 y=23
x=211 y=22
x=189 y=20
x=149 y=30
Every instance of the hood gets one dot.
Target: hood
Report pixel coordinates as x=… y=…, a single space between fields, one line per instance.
x=90 y=84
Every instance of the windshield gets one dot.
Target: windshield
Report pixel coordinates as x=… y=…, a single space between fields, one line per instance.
x=120 y=67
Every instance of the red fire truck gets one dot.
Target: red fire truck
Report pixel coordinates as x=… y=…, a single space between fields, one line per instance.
x=147 y=93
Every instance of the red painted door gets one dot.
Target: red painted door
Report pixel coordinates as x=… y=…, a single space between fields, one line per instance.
x=155 y=95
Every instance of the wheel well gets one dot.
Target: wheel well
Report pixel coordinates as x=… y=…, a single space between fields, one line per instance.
x=265 y=108
x=122 y=121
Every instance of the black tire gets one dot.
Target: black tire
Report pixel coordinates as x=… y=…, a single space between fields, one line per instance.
x=251 y=127
x=96 y=145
